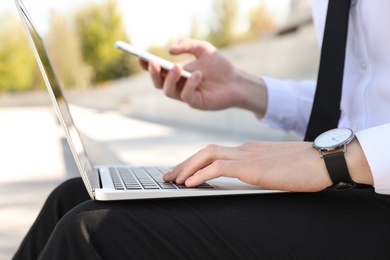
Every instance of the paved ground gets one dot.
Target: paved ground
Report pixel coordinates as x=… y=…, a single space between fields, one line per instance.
x=35 y=157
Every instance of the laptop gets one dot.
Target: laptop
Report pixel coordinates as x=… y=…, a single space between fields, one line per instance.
x=118 y=182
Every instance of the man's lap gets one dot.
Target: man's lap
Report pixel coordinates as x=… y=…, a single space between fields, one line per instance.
x=268 y=225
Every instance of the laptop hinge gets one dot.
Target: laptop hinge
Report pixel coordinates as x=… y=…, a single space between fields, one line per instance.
x=97 y=183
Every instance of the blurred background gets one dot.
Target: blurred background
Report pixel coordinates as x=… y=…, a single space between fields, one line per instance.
x=121 y=116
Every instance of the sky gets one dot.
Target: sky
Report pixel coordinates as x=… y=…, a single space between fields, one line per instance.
x=148 y=22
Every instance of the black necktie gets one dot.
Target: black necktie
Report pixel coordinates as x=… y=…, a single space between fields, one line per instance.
x=326 y=112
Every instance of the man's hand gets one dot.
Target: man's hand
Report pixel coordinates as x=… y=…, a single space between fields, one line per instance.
x=215 y=83
x=291 y=166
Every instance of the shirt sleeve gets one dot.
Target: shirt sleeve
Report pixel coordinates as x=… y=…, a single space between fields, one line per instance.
x=289 y=104
x=375 y=142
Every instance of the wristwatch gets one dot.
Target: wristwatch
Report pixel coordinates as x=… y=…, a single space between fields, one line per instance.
x=332 y=145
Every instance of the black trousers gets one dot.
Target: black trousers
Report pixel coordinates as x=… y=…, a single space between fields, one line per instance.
x=325 y=225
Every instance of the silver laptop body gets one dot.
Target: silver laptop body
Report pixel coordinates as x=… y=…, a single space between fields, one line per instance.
x=117 y=182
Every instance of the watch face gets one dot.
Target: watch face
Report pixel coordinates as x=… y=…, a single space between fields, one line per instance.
x=333 y=139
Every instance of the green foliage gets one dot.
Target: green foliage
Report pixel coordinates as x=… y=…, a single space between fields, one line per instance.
x=17 y=63
x=81 y=46
x=222 y=32
x=195 y=29
x=222 y=27
x=98 y=27
x=63 y=45
x=260 y=22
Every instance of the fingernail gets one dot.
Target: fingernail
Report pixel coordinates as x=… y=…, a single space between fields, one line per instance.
x=168 y=175
x=197 y=75
x=189 y=182
x=174 y=71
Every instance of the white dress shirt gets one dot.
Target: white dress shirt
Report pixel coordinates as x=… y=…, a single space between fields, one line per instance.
x=365 y=101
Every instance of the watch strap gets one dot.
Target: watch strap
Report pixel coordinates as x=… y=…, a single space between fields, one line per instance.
x=338 y=171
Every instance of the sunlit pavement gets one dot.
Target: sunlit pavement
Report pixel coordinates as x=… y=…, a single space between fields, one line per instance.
x=35 y=158
x=32 y=161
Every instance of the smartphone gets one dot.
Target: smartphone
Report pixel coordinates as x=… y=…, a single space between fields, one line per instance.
x=146 y=56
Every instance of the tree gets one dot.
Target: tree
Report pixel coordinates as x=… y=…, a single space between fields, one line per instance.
x=222 y=32
x=223 y=29
x=260 y=22
x=63 y=45
x=99 y=26
x=17 y=63
x=195 y=28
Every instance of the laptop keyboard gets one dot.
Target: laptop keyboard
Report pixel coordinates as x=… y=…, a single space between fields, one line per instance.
x=144 y=178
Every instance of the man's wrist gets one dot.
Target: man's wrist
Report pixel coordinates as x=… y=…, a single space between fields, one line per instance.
x=254 y=93
x=358 y=166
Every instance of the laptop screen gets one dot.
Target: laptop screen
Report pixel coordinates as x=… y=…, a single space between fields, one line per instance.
x=55 y=92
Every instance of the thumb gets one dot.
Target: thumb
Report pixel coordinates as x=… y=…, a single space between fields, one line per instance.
x=189 y=94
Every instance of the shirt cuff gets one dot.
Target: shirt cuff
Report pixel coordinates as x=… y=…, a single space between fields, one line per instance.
x=375 y=143
x=282 y=105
